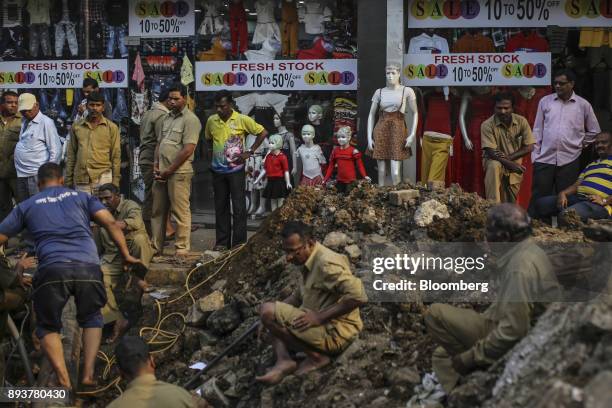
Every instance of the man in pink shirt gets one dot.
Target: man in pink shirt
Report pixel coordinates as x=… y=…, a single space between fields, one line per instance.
x=564 y=125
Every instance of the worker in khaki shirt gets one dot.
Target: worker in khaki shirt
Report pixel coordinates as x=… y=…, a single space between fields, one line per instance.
x=178 y=137
x=148 y=141
x=93 y=156
x=322 y=318
x=137 y=366
x=469 y=340
x=123 y=290
x=10 y=126
x=506 y=138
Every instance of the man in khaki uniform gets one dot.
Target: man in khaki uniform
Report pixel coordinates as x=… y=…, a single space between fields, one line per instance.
x=506 y=138
x=179 y=132
x=137 y=366
x=469 y=340
x=322 y=318
x=122 y=299
x=148 y=141
x=93 y=156
x=10 y=126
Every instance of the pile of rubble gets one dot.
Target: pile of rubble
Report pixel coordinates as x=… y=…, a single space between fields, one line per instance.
x=570 y=344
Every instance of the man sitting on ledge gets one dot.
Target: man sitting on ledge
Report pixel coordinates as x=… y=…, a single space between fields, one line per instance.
x=327 y=319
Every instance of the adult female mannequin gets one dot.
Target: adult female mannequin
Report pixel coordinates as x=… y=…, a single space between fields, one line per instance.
x=309 y=159
x=390 y=139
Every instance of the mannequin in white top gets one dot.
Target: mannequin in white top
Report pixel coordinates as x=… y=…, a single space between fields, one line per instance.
x=266 y=27
x=288 y=139
x=309 y=159
x=396 y=103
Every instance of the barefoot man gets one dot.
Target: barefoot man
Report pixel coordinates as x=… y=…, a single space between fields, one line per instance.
x=322 y=318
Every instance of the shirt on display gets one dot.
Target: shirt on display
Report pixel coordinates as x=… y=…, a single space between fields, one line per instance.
x=426 y=44
x=59 y=220
x=477 y=42
x=392 y=100
x=313 y=14
x=11 y=13
x=246 y=103
x=39 y=11
x=533 y=42
x=312 y=158
x=276 y=165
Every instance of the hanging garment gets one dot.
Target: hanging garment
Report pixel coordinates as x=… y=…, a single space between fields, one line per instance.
x=345 y=115
x=138 y=76
x=533 y=42
x=426 y=44
x=139 y=104
x=218 y=51
x=438 y=130
x=253 y=100
x=289 y=29
x=186 y=71
x=266 y=27
x=473 y=43
x=314 y=14
x=320 y=50
x=595 y=37
x=238 y=27
x=212 y=23
x=268 y=51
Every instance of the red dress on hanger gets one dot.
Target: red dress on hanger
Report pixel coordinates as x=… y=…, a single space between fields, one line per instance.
x=528 y=108
x=472 y=172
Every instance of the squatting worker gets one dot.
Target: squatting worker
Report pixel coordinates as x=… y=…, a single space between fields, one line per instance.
x=469 y=340
x=565 y=123
x=506 y=138
x=591 y=195
x=59 y=220
x=322 y=317
x=137 y=367
x=178 y=137
x=124 y=291
x=10 y=125
x=148 y=141
x=93 y=155
x=227 y=130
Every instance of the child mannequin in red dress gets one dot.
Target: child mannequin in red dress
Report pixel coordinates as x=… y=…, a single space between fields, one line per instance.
x=344 y=158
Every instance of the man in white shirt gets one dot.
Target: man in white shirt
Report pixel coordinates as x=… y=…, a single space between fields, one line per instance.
x=38 y=144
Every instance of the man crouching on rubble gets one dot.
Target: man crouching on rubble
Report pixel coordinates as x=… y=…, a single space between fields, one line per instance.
x=471 y=341
x=329 y=298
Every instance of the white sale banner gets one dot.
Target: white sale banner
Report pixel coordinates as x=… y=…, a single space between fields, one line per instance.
x=162 y=18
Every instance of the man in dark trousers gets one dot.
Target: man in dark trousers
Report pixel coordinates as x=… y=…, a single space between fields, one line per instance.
x=59 y=220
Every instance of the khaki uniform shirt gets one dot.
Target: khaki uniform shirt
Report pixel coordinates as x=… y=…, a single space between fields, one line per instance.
x=528 y=284
x=174 y=132
x=129 y=212
x=93 y=151
x=328 y=280
x=148 y=138
x=9 y=136
x=495 y=135
x=148 y=392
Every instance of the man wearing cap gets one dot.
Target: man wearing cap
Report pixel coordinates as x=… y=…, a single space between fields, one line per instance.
x=38 y=144
x=10 y=125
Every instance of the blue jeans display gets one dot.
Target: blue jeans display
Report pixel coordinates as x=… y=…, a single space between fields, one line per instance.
x=121 y=110
x=547 y=207
x=116 y=35
x=39 y=37
x=65 y=32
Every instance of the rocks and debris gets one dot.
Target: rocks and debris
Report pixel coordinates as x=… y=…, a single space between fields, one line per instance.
x=429 y=211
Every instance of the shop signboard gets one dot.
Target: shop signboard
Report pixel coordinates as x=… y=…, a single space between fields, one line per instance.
x=162 y=18
x=509 y=13
x=110 y=73
x=478 y=69
x=281 y=75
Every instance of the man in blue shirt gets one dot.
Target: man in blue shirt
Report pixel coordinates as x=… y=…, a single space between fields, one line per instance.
x=68 y=265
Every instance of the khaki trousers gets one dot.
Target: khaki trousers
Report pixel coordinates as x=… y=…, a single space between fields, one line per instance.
x=435 y=152
x=92 y=187
x=497 y=183
x=120 y=300
x=172 y=195
x=147 y=205
x=456 y=330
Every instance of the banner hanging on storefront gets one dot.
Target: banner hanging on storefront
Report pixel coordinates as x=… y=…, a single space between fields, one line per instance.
x=522 y=68
x=509 y=13
x=282 y=75
x=110 y=73
x=162 y=18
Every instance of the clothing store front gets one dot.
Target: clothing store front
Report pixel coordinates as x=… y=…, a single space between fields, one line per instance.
x=288 y=63
x=459 y=54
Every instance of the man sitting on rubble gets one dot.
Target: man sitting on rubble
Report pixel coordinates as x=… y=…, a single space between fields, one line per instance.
x=124 y=291
x=469 y=340
x=320 y=319
x=137 y=366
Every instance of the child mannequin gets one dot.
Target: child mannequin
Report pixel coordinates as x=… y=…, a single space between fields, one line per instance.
x=276 y=169
x=345 y=157
x=309 y=159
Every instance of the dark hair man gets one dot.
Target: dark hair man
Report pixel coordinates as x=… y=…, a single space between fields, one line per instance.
x=59 y=221
x=91 y=85
x=506 y=138
x=302 y=321
x=10 y=125
x=469 y=340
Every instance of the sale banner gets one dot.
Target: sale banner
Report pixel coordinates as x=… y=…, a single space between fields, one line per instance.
x=282 y=75
x=162 y=18
x=110 y=73
x=509 y=13
x=521 y=68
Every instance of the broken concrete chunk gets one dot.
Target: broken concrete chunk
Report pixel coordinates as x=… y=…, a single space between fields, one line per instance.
x=218 y=285
x=195 y=317
x=224 y=320
x=212 y=302
x=337 y=240
x=598 y=392
x=403 y=376
x=353 y=251
x=400 y=197
x=425 y=214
